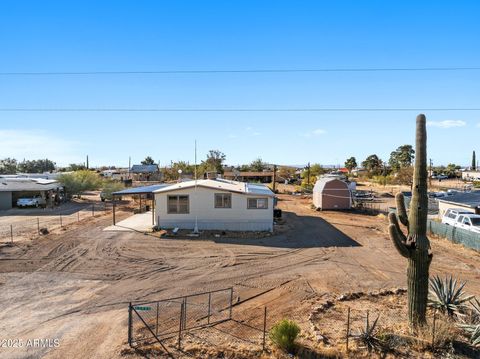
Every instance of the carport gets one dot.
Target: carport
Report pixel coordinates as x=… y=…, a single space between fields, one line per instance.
x=12 y=188
x=145 y=192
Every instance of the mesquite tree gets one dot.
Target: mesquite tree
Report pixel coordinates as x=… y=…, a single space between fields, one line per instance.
x=415 y=246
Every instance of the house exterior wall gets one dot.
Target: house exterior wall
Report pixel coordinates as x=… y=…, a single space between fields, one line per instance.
x=5 y=200
x=335 y=195
x=443 y=206
x=202 y=206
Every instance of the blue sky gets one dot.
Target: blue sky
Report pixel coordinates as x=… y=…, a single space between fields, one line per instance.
x=217 y=35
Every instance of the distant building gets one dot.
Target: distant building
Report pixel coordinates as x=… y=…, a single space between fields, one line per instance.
x=11 y=189
x=469 y=201
x=250 y=176
x=331 y=193
x=146 y=173
x=471 y=175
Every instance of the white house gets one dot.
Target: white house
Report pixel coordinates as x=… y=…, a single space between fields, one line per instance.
x=215 y=204
x=471 y=175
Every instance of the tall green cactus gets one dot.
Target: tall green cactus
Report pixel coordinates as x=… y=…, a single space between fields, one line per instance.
x=415 y=246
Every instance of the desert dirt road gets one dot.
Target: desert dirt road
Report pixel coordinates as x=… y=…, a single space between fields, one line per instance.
x=74 y=285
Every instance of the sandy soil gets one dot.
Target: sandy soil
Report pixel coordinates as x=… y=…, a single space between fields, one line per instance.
x=74 y=285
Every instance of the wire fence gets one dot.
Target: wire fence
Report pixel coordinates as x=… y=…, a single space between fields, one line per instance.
x=48 y=220
x=195 y=320
x=360 y=330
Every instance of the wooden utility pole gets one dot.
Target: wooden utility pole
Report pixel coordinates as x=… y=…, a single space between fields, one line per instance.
x=308 y=174
x=274 y=177
x=431 y=173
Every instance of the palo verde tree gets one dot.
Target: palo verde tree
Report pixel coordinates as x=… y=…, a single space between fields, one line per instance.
x=415 y=246
x=351 y=163
x=214 y=161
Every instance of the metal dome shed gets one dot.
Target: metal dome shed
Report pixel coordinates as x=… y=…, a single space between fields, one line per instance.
x=331 y=193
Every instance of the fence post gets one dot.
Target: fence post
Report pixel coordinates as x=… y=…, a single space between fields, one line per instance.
x=93 y=210
x=185 y=314
x=11 y=233
x=231 y=303
x=38 y=225
x=264 y=328
x=348 y=327
x=78 y=216
x=433 y=329
x=156 y=326
x=209 y=310
x=130 y=323
x=180 y=326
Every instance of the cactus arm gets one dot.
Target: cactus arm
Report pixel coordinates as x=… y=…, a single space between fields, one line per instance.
x=401 y=210
x=397 y=239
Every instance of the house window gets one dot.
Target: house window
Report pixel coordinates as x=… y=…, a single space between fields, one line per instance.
x=178 y=204
x=257 y=203
x=223 y=200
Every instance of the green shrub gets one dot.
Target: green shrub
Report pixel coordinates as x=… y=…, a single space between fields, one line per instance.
x=109 y=187
x=80 y=181
x=284 y=333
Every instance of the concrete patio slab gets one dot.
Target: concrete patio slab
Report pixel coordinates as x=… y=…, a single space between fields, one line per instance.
x=141 y=222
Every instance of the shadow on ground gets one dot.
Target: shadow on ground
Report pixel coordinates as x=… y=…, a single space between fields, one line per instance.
x=305 y=232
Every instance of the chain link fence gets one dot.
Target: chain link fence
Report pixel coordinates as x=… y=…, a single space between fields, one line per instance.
x=32 y=225
x=455 y=234
x=187 y=323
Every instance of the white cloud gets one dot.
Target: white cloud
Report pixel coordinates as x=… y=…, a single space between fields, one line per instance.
x=36 y=144
x=446 y=123
x=316 y=132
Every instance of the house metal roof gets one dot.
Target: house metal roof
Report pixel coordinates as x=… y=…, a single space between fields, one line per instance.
x=469 y=199
x=140 y=190
x=144 y=169
x=221 y=184
x=27 y=184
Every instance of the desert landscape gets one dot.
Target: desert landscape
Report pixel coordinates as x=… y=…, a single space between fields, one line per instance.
x=75 y=283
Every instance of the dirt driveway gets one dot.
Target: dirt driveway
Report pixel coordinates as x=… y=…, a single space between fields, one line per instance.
x=74 y=286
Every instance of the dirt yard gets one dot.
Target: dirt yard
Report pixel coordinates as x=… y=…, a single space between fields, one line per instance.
x=74 y=285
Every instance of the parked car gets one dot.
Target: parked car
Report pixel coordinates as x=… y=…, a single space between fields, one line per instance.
x=469 y=222
x=450 y=216
x=35 y=201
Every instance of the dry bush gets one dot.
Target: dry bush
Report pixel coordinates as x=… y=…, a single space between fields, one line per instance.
x=446 y=332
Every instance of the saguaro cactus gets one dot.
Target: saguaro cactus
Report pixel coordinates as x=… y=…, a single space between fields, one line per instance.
x=415 y=246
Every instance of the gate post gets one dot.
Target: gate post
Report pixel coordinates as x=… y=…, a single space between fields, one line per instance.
x=130 y=324
x=180 y=326
x=264 y=328
x=231 y=303
x=209 y=310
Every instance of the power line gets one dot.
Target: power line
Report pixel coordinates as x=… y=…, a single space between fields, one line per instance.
x=227 y=71
x=234 y=109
